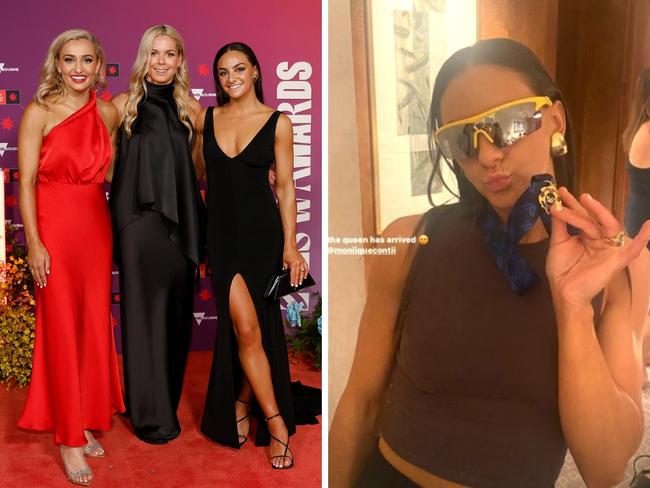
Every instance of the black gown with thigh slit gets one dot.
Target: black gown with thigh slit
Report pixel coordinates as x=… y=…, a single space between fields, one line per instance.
x=155 y=206
x=244 y=237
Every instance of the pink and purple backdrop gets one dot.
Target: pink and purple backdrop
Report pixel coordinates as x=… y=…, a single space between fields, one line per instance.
x=286 y=37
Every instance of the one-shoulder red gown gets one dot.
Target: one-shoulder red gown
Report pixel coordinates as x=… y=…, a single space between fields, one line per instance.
x=75 y=383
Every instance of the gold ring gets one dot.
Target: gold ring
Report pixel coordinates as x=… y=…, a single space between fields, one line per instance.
x=617 y=241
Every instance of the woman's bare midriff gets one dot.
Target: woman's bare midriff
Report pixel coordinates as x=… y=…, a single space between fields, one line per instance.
x=417 y=475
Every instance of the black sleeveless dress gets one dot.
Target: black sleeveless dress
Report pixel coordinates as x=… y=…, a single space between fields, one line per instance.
x=156 y=207
x=244 y=237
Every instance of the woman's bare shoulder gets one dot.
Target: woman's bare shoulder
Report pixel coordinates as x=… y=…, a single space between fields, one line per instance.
x=640 y=147
x=403 y=226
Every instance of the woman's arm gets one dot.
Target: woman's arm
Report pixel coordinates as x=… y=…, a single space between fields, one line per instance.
x=197 y=147
x=286 y=192
x=354 y=430
x=119 y=101
x=111 y=118
x=30 y=138
x=600 y=372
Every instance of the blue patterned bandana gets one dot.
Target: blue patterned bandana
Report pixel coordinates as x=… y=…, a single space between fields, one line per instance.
x=503 y=240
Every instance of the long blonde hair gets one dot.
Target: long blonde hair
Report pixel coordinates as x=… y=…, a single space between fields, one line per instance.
x=51 y=82
x=640 y=110
x=138 y=89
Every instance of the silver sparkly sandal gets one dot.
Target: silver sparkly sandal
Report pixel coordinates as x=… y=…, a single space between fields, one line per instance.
x=76 y=477
x=94 y=450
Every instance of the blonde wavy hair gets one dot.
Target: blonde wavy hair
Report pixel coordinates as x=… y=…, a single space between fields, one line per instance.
x=138 y=89
x=51 y=82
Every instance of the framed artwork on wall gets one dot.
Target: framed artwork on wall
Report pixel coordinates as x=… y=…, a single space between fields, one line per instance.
x=408 y=42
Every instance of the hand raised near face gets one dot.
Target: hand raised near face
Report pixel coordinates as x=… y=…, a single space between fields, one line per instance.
x=580 y=266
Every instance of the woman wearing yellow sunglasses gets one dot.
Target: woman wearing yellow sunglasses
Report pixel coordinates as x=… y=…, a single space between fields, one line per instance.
x=514 y=334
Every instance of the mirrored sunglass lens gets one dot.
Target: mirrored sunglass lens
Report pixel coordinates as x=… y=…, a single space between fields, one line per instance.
x=516 y=122
x=505 y=127
x=456 y=142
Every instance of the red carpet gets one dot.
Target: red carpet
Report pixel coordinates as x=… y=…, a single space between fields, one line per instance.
x=30 y=459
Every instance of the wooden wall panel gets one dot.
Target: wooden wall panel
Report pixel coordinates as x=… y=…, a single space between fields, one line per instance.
x=360 y=19
x=531 y=22
x=590 y=72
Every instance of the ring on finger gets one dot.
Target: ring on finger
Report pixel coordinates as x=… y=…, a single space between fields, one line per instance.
x=616 y=241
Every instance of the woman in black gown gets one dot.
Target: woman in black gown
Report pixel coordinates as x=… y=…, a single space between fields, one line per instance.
x=249 y=239
x=155 y=204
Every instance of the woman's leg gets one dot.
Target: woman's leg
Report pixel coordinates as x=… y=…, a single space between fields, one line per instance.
x=256 y=365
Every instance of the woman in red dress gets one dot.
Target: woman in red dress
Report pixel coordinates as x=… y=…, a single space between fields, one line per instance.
x=65 y=148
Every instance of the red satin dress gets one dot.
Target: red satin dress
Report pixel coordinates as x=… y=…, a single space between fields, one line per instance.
x=75 y=381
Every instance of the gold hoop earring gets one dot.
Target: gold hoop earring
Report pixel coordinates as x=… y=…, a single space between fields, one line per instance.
x=558 y=145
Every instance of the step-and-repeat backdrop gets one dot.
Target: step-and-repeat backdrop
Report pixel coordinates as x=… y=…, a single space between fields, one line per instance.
x=286 y=37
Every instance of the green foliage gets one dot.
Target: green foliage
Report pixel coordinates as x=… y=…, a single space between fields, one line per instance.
x=307 y=339
x=17 y=316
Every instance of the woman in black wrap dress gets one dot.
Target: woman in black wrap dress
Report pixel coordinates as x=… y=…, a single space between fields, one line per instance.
x=155 y=204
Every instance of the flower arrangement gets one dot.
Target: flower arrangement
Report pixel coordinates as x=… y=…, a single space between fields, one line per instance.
x=307 y=338
x=17 y=316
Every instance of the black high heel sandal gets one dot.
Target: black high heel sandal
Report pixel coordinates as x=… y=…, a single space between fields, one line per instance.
x=242 y=436
x=287 y=452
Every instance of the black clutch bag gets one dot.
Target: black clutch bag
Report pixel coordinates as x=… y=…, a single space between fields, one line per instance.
x=280 y=285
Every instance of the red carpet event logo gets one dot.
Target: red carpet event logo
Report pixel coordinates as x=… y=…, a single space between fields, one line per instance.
x=201 y=316
x=9 y=97
x=112 y=70
x=198 y=93
x=4 y=68
x=294 y=92
x=4 y=147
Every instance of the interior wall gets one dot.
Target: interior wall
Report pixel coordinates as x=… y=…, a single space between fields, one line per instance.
x=593 y=52
x=531 y=22
x=346 y=273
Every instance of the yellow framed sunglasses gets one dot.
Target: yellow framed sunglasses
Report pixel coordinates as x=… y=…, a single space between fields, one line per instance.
x=502 y=126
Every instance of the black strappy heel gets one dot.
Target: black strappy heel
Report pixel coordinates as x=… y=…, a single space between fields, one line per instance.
x=287 y=452
x=242 y=436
